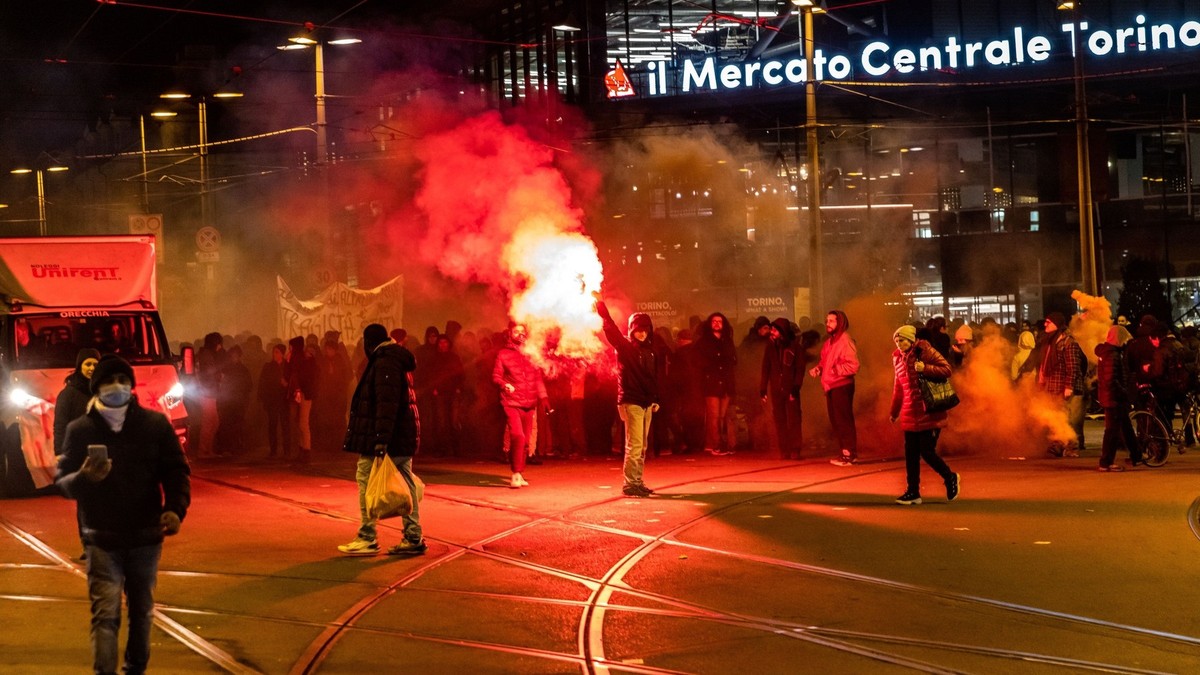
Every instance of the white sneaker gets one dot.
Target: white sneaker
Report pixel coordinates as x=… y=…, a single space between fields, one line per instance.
x=521 y=479
x=515 y=482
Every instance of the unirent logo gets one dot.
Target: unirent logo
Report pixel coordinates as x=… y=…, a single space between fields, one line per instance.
x=53 y=271
x=879 y=59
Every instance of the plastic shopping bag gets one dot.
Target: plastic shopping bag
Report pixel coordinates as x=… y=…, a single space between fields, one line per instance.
x=387 y=493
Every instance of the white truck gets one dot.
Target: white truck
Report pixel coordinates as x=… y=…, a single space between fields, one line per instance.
x=59 y=295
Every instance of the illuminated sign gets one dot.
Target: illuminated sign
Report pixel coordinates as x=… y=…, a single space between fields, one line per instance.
x=879 y=59
x=617 y=82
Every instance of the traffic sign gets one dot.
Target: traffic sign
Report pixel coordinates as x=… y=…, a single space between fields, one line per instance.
x=208 y=239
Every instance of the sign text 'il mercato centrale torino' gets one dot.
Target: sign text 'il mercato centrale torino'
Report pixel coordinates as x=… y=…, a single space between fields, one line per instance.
x=878 y=59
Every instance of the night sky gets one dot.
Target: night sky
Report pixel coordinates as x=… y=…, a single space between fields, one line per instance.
x=66 y=65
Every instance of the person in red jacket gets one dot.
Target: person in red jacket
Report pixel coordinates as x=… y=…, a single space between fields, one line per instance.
x=912 y=359
x=522 y=389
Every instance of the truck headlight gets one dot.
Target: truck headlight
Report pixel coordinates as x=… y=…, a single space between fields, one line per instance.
x=174 y=396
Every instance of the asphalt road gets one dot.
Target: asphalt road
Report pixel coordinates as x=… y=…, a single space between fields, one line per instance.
x=738 y=564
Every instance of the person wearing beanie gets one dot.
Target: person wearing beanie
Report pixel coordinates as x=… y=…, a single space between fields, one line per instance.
x=782 y=373
x=71 y=402
x=128 y=498
x=1112 y=393
x=964 y=343
x=522 y=390
x=384 y=422
x=912 y=360
x=1060 y=375
x=837 y=367
x=640 y=367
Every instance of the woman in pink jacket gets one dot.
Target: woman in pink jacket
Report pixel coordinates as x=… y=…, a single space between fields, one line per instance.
x=836 y=369
x=912 y=359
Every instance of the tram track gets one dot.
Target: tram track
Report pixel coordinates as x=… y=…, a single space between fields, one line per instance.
x=590 y=656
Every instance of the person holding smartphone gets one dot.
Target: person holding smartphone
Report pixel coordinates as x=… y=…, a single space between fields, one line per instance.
x=125 y=469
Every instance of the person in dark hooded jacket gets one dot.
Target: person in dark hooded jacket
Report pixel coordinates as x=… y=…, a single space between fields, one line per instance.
x=1112 y=393
x=716 y=358
x=782 y=374
x=641 y=365
x=72 y=400
x=384 y=421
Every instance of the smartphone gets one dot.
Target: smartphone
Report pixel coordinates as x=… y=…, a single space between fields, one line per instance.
x=98 y=453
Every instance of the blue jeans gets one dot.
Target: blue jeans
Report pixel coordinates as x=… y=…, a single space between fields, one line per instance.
x=109 y=572
x=412 y=522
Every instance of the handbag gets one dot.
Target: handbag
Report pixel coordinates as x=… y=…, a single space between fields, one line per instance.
x=938 y=395
x=387 y=494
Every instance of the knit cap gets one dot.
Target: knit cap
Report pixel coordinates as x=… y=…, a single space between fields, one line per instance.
x=109 y=366
x=907 y=332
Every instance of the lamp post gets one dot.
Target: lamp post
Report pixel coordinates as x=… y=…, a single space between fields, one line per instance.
x=202 y=114
x=1087 y=233
x=41 y=193
x=318 y=47
x=815 y=264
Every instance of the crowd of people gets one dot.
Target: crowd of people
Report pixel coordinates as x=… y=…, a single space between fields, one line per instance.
x=460 y=390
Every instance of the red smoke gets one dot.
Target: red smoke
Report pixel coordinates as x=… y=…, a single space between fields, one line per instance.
x=500 y=212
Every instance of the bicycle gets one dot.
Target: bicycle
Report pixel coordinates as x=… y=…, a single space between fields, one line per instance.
x=1154 y=435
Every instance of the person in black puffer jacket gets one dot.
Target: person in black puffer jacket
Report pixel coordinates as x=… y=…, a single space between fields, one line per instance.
x=72 y=400
x=384 y=421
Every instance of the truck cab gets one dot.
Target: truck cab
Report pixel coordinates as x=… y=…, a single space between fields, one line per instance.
x=61 y=295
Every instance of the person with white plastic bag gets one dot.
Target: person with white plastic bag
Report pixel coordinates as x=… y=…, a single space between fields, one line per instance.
x=384 y=422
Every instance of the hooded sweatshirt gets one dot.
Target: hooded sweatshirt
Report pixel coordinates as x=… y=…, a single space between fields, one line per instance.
x=639 y=362
x=839 y=355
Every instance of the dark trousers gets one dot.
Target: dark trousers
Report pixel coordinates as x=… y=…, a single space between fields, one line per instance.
x=922 y=445
x=785 y=414
x=1118 y=430
x=839 y=402
x=277 y=423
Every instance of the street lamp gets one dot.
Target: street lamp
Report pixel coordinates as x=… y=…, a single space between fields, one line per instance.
x=318 y=47
x=202 y=112
x=1087 y=234
x=41 y=193
x=815 y=271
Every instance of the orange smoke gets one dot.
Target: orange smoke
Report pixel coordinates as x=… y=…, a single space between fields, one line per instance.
x=1090 y=326
x=997 y=416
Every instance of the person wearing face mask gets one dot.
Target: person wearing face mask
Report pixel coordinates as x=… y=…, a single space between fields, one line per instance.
x=72 y=400
x=127 y=503
x=522 y=389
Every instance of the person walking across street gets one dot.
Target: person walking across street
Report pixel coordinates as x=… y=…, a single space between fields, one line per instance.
x=640 y=365
x=125 y=469
x=522 y=389
x=912 y=360
x=836 y=368
x=384 y=422
x=1061 y=376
